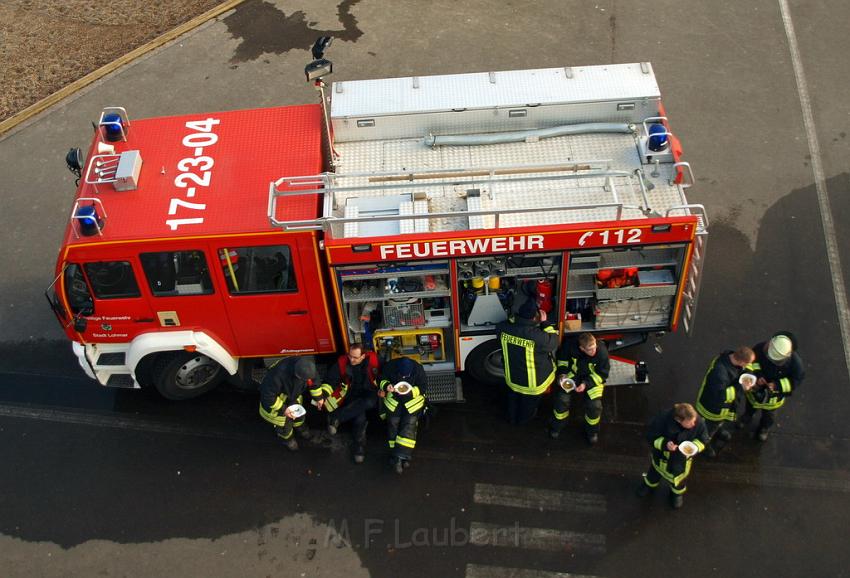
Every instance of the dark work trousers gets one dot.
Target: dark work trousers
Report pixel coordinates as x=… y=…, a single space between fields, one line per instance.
x=289 y=426
x=718 y=433
x=521 y=408
x=401 y=433
x=354 y=410
x=766 y=421
x=561 y=411
x=652 y=479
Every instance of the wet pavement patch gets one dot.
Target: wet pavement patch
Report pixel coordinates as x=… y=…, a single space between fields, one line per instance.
x=263 y=28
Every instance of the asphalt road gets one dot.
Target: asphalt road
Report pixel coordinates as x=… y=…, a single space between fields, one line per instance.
x=123 y=484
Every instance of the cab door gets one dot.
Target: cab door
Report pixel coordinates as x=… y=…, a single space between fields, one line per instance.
x=266 y=298
x=107 y=295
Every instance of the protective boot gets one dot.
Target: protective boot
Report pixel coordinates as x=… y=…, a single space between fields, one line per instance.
x=676 y=500
x=304 y=433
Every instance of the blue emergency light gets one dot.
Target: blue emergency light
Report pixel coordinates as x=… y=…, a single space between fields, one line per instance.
x=113 y=126
x=90 y=221
x=657 y=137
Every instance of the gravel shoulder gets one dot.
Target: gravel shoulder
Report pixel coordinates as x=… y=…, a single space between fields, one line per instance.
x=47 y=44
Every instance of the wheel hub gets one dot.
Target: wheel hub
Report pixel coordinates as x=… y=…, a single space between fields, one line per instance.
x=197 y=372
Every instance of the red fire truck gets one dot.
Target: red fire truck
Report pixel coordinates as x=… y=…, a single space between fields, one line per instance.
x=412 y=214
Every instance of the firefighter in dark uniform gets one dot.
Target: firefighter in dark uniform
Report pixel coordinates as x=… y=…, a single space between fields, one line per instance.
x=349 y=390
x=282 y=387
x=718 y=395
x=585 y=362
x=780 y=371
x=666 y=434
x=527 y=350
x=402 y=384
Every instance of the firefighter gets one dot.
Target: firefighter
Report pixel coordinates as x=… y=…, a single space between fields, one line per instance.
x=349 y=390
x=527 y=352
x=779 y=371
x=402 y=384
x=718 y=394
x=282 y=388
x=666 y=434
x=585 y=362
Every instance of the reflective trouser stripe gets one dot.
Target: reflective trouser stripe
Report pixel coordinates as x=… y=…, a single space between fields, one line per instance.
x=272 y=416
x=559 y=415
x=391 y=444
x=592 y=420
x=661 y=468
x=650 y=484
x=406 y=442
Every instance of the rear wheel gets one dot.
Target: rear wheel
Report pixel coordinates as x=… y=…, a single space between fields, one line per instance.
x=184 y=374
x=485 y=365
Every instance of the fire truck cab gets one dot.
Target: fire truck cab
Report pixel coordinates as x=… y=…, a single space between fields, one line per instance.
x=410 y=214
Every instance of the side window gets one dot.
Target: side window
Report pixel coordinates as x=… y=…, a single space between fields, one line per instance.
x=112 y=279
x=77 y=292
x=172 y=273
x=265 y=269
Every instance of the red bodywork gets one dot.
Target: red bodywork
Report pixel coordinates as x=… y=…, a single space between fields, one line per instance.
x=209 y=198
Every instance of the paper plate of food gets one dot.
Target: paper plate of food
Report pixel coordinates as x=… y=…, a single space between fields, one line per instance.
x=747 y=380
x=297 y=410
x=690 y=449
x=566 y=383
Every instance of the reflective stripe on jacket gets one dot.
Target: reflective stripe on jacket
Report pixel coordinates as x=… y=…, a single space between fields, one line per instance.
x=527 y=351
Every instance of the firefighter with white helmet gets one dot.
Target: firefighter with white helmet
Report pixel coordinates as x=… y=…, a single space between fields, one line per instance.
x=281 y=397
x=779 y=371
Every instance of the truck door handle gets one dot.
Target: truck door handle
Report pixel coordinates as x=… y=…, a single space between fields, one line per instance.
x=298 y=312
x=144 y=320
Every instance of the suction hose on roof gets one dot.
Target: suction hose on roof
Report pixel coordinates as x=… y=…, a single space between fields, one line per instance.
x=524 y=135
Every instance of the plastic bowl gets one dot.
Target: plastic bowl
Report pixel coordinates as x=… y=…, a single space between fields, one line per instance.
x=297 y=410
x=747 y=380
x=689 y=449
x=566 y=383
x=403 y=388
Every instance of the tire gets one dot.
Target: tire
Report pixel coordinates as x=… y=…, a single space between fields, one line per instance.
x=184 y=375
x=484 y=364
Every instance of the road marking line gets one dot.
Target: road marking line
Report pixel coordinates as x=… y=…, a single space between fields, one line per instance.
x=539 y=499
x=835 y=268
x=548 y=539
x=479 y=571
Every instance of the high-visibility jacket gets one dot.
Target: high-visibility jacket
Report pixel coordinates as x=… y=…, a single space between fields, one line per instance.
x=673 y=466
x=527 y=350
x=411 y=403
x=787 y=376
x=582 y=368
x=344 y=379
x=280 y=389
x=717 y=396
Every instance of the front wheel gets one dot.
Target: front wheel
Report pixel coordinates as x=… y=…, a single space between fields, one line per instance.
x=485 y=364
x=184 y=374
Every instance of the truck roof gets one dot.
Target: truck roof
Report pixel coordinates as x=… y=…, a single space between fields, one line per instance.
x=476 y=152
x=200 y=174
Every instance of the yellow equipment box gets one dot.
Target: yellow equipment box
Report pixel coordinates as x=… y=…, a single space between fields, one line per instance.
x=422 y=345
